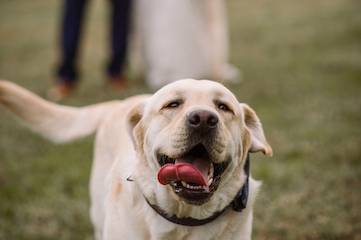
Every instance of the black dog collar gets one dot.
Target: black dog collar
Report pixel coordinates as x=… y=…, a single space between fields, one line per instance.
x=238 y=204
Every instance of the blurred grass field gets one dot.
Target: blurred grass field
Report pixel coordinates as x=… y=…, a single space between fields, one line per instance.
x=301 y=66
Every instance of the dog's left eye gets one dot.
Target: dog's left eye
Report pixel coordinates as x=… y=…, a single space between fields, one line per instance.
x=223 y=107
x=173 y=104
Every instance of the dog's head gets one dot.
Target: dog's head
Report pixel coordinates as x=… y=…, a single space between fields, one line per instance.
x=195 y=135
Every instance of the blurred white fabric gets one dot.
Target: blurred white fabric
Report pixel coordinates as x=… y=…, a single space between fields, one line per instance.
x=181 y=39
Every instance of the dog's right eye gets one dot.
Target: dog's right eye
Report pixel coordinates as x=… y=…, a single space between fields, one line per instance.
x=173 y=104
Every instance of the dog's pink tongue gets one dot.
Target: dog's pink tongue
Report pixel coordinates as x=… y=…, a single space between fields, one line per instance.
x=196 y=172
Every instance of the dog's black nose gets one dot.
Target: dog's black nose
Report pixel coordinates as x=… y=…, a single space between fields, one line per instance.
x=202 y=119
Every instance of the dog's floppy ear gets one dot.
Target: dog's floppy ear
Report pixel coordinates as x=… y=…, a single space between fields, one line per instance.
x=134 y=125
x=254 y=126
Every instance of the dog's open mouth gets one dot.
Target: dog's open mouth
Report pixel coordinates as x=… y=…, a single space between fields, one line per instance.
x=193 y=175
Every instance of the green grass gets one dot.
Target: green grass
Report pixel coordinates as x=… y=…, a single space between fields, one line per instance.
x=301 y=65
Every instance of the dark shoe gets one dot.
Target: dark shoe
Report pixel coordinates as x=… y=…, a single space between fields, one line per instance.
x=60 y=91
x=118 y=82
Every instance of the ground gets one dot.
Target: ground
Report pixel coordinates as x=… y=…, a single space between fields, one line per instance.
x=301 y=71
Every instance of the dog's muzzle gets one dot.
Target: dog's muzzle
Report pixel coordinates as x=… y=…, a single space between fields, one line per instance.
x=194 y=176
x=195 y=173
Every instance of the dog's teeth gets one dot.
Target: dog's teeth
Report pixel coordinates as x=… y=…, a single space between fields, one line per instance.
x=210 y=181
x=206 y=188
x=211 y=171
x=186 y=185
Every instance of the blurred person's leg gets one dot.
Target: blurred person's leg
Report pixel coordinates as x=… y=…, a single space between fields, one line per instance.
x=119 y=28
x=70 y=34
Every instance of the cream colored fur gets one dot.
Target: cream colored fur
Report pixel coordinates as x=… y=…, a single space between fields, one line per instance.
x=128 y=135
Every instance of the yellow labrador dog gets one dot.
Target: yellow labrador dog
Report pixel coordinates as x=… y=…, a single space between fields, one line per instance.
x=173 y=165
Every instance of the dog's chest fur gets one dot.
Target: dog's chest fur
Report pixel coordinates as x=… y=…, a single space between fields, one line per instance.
x=144 y=223
x=230 y=226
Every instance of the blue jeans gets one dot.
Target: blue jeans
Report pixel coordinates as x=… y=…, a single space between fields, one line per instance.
x=71 y=30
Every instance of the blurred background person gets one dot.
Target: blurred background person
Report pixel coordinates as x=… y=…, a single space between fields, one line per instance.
x=183 y=39
x=67 y=74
